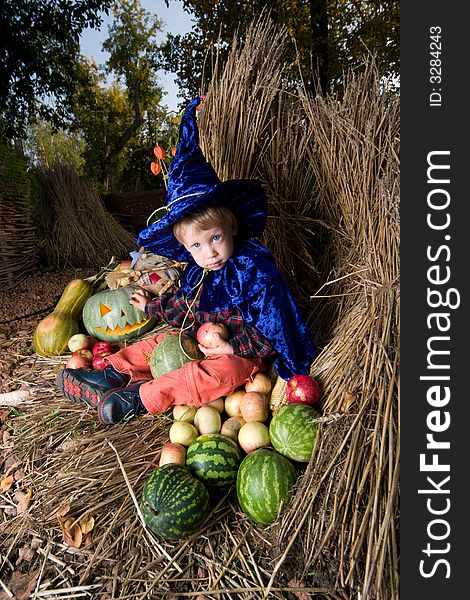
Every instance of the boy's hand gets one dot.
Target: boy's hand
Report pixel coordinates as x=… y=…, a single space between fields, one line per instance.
x=223 y=348
x=139 y=299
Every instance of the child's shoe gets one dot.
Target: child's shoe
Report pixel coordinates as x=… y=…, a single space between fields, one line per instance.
x=121 y=403
x=80 y=385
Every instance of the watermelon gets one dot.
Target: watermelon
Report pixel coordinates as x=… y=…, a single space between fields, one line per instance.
x=264 y=483
x=174 y=351
x=293 y=432
x=214 y=459
x=174 y=503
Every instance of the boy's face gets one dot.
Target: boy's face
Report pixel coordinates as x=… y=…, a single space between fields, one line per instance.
x=210 y=248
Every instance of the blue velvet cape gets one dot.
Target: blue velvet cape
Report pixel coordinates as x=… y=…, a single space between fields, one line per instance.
x=251 y=282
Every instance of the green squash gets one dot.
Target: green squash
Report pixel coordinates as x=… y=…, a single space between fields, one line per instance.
x=174 y=351
x=52 y=333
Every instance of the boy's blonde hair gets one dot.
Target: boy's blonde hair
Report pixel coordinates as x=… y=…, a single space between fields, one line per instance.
x=205 y=219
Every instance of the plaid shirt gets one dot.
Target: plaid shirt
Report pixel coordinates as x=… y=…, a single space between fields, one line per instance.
x=245 y=339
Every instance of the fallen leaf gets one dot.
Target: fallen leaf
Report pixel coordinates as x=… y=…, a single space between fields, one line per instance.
x=73 y=537
x=36 y=543
x=22 y=584
x=6 y=483
x=69 y=523
x=24 y=501
x=25 y=553
x=86 y=524
x=71 y=532
x=63 y=510
x=296 y=583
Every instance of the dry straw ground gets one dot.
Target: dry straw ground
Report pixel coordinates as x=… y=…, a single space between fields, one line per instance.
x=332 y=172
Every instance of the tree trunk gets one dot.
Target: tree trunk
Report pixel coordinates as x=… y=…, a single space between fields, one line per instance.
x=121 y=143
x=319 y=26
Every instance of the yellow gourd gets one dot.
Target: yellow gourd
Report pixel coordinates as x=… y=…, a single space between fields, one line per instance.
x=54 y=331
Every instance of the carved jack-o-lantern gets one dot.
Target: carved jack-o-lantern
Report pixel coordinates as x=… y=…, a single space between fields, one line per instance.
x=108 y=316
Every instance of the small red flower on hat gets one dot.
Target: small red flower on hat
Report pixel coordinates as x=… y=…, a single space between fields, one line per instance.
x=173 y=150
x=159 y=152
x=156 y=168
x=160 y=165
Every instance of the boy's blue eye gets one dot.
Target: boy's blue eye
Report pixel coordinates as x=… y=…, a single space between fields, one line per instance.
x=216 y=238
x=196 y=245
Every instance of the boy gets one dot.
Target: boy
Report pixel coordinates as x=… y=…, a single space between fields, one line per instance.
x=230 y=278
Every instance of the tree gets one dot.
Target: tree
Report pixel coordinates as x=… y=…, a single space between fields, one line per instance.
x=112 y=117
x=38 y=51
x=328 y=36
x=132 y=45
x=101 y=113
x=47 y=146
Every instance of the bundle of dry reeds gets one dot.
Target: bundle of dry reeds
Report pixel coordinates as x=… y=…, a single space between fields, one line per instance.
x=74 y=228
x=345 y=513
x=252 y=127
x=337 y=538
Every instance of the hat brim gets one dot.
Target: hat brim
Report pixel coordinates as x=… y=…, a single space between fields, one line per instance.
x=244 y=197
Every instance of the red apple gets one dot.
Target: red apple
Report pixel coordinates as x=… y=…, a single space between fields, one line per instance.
x=254 y=407
x=207 y=334
x=101 y=348
x=303 y=389
x=172 y=453
x=78 y=361
x=99 y=363
x=125 y=264
x=84 y=352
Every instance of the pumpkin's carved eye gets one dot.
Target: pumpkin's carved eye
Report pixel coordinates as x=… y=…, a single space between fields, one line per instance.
x=104 y=310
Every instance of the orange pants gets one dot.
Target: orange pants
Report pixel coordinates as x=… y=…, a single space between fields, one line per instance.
x=195 y=383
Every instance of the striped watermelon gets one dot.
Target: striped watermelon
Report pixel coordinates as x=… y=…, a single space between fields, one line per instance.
x=264 y=483
x=292 y=431
x=214 y=459
x=168 y=355
x=174 y=503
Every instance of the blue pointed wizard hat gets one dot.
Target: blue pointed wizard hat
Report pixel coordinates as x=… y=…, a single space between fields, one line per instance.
x=194 y=185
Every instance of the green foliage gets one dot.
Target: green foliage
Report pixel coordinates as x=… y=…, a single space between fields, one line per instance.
x=40 y=40
x=118 y=121
x=132 y=45
x=101 y=114
x=329 y=36
x=47 y=146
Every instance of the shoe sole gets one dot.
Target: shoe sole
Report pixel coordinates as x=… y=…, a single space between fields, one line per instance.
x=77 y=391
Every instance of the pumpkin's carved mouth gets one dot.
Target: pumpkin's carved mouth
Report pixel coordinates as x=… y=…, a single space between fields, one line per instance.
x=120 y=331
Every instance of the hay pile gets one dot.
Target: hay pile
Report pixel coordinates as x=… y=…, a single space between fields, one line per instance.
x=332 y=167
x=251 y=127
x=74 y=228
x=345 y=514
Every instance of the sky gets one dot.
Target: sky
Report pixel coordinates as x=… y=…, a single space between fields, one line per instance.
x=175 y=21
